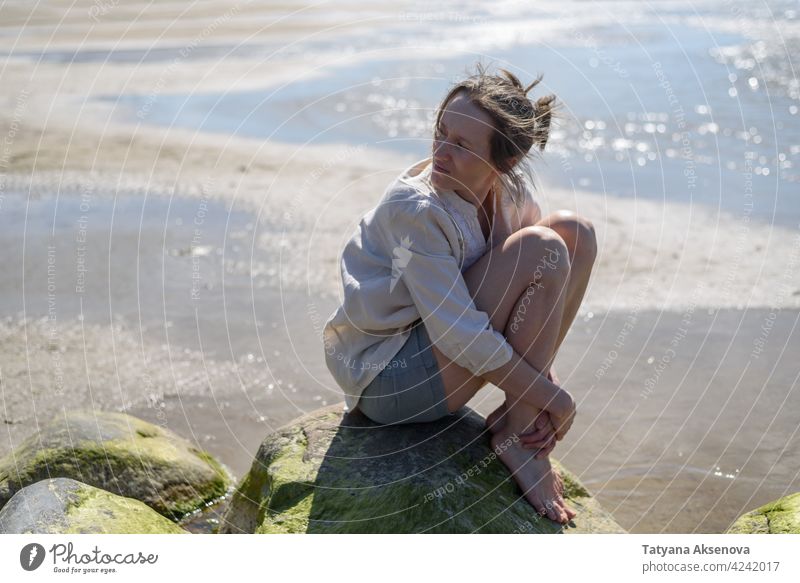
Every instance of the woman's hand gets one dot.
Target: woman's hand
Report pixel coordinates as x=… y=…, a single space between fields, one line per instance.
x=543 y=437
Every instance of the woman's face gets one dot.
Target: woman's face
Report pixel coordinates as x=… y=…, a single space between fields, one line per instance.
x=461 y=151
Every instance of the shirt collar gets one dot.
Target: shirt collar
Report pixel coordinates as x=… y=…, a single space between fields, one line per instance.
x=452 y=196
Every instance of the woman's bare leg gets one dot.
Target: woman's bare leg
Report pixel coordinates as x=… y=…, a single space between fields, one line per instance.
x=533 y=329
x=579 y=236
x=516 y=262
x=581 y=240
x=534 y=255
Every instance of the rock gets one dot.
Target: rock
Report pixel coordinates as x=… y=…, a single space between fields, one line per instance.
x=64 y=506
x=779 y=517
x=329 y=473
x=120 y=454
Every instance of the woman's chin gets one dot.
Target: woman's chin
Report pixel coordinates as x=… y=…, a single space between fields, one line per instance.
x=439 y=180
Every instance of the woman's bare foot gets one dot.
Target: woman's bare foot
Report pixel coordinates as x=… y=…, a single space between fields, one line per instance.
x=541 y=484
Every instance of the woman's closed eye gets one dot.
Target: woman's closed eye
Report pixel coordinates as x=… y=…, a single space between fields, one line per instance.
x=440 y=134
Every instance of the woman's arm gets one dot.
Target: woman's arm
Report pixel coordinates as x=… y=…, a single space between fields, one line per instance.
x=422 y=236
x=520 y=380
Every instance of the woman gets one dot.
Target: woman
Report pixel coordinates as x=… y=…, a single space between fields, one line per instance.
x=455 y=280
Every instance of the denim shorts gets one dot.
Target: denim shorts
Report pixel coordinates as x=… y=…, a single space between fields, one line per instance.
x=409 y=389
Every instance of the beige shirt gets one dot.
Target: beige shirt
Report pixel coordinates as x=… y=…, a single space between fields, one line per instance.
x=404 y=262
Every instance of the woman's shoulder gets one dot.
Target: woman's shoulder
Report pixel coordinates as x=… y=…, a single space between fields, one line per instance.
x=411 y=190
x=411 y=206
x=411 y=183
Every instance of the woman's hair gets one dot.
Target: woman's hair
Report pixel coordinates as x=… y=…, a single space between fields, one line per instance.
x=519 y=122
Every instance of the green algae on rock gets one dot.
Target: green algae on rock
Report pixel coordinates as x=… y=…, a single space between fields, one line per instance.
x=779 y=517
x=332 y=473
x=65 y=506
x=122 y=455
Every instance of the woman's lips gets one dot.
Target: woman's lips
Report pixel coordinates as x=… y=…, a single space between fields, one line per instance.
x=438 y=168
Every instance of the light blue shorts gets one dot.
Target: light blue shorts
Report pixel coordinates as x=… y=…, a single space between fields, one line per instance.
x=409 y=389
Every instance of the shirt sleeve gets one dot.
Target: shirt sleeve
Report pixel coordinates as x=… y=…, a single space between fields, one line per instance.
x=423 y=262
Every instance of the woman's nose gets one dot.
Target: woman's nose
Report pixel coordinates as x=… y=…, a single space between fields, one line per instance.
x=441 y=148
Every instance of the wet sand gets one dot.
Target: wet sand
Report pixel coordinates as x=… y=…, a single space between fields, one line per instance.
x=114 y=297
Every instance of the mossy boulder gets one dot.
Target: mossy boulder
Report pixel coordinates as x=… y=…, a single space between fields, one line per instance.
x=779 y=517
x=334 y=473
x=64 y=506
x=122 y=455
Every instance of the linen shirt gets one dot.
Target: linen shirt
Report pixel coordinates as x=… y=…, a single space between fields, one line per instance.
x=405 y=261
x=465 y=215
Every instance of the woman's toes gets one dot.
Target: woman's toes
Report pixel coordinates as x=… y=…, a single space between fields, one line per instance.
x=570 y=512
x=564 y=514
x=558 y=513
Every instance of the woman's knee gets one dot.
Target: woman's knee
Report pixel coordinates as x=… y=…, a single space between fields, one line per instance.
x=546 y=253
x=577 y=232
